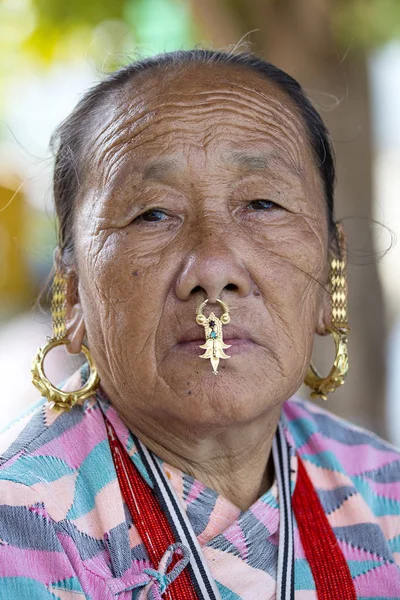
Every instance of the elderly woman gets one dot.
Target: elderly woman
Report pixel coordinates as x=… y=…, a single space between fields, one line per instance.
x=198 y=256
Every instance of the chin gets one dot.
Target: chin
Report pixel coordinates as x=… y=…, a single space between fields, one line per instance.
x=233 y=396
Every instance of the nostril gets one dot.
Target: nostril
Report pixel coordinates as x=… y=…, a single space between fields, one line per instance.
x=197 y=289
x=231 y=287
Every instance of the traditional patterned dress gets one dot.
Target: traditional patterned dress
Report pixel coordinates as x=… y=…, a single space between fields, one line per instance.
x=66 y=534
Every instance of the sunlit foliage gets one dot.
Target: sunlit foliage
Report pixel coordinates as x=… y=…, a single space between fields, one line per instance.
x=107 y=31
x=366 y=23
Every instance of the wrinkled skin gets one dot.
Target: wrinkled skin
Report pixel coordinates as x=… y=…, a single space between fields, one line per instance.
x=201 y=148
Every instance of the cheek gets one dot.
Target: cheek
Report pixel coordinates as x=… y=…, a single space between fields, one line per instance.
x=294 y=248
x=289 y=267
x=123 y=294
x=118 y=272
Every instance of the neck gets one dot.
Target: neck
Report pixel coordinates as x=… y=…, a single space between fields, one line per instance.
x=236 y=462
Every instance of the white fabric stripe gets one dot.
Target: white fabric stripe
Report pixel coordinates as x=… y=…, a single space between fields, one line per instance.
x=288 y=585
x=282 y=518
x=286 y=479
x=163 y=482
x=285 y=583
x=190 y=535
x=187 y=536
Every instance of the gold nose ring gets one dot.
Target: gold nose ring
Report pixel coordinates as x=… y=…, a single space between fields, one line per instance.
x=214 y=345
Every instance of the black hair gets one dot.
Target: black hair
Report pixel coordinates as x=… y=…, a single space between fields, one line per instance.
x=68 y=140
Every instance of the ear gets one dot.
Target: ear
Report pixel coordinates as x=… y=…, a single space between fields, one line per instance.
x=75 y=323
x=324 y=315
x=76 y=329
x=338 y=248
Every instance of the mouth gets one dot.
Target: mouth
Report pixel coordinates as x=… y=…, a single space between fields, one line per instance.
x=237 y=346
x=229 y=332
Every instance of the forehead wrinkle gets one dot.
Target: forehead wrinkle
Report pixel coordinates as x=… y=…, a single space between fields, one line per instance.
x=266 y=107
x=288 y=114
x=254 y=96
x=121 y=130
x=112 y=140
x=235 y=91
x=202 y=139
x=231 y=89
x=271 y=109
x=275 y=130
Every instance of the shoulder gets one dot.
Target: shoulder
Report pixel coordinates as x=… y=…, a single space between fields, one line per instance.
x=61 y=460
x=356 y=475
x=42 y=446
x=317 y=432
x=340 y=455
x=307 y=418
x=37 y=490
x=35 y=428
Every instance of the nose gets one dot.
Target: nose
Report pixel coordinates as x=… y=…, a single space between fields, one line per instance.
x=213 y=268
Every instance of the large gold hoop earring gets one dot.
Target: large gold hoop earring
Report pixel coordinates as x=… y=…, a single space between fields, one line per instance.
x=59 y=399
x=339 y=330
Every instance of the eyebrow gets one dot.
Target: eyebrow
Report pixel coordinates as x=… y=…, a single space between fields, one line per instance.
x=250 y=162
x=159 y=168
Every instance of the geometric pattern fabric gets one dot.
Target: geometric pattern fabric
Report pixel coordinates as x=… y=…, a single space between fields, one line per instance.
x=66 y=534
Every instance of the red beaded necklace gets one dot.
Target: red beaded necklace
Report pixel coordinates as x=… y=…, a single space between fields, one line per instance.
x=149 y=519
x=329 y=568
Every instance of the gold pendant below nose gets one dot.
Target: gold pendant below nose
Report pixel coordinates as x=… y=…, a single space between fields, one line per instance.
x=214 y=345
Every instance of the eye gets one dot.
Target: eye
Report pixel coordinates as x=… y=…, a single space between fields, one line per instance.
x=152 y=216
x=262 y=205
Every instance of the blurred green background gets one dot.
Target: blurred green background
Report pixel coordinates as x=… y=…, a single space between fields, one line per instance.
x=345 y=53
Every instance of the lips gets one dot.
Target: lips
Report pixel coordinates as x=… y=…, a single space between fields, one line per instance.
x=229 y=334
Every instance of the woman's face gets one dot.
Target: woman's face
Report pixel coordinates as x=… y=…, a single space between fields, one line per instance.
x=200 y=184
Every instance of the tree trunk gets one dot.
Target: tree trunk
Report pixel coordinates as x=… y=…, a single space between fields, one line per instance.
x=296 y=36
